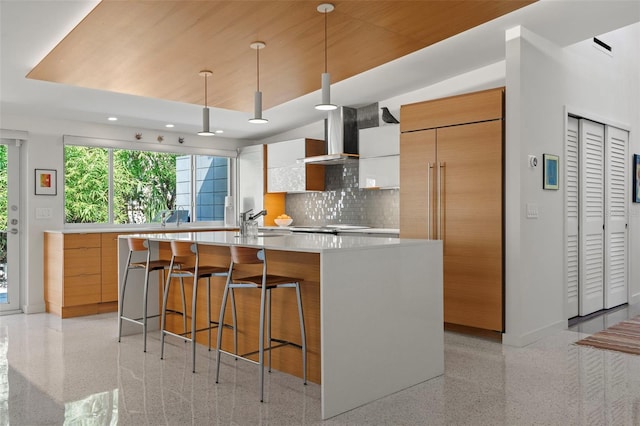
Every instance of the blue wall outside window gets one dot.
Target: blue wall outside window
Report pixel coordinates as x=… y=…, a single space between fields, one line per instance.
x=211 y=185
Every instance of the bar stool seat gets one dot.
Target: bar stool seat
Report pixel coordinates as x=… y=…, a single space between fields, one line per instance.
x=184 y=250
x=265 y=282
x=140 y=245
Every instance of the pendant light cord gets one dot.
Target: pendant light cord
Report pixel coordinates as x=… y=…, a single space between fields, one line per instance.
x=325 y=42
x=205 y=90
x=258 y=68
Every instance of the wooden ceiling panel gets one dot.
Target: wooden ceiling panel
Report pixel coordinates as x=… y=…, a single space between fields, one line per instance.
x=156 y=48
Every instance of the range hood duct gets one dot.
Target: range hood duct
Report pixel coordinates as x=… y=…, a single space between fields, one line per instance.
x=341 y=136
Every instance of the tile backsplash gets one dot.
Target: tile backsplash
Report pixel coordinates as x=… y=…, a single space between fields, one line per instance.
x=342 y=202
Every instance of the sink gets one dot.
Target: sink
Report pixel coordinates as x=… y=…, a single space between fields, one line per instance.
x=265 y=234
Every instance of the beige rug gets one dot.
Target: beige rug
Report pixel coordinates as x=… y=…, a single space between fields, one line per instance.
x=622 y=337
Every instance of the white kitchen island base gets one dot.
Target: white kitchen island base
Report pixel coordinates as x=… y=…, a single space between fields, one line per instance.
x=381 y=310
x=386 y=304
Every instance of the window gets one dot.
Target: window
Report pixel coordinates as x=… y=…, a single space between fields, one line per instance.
x=121 y=186
x=86 y=187
x=144 y=185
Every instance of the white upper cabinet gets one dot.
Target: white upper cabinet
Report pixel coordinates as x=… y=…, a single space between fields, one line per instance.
x=286 y=174
x=379 y=141
x=287 y=153
x=379 y=172
x=379 y=165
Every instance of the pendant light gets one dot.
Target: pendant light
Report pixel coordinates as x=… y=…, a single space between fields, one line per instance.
x=326 y=104
x=205 y=111
x=257 y=98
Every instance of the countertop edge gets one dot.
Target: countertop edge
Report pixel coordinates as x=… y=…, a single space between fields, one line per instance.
x=309 y=243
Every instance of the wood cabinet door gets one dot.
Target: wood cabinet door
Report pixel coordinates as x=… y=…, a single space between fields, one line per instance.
x=473 y=107
x=109 y=260
x=417 y=184
x=81 y=290
x=470 y=157
x=81 y=240
x=81 y=276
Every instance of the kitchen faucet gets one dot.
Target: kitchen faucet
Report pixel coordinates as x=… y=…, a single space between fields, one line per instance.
x=248 y=216
x=257 y=215
x=244 y=217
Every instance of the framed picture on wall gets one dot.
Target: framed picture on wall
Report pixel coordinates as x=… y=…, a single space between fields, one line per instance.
x=636 y=178
x=45 y=182
x=550 y=171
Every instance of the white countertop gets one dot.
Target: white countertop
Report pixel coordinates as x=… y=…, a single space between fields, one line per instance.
x=301 y=242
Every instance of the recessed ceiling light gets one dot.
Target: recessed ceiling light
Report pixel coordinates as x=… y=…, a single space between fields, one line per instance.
x=169 y=125
x=112 y=118
x=219 y=131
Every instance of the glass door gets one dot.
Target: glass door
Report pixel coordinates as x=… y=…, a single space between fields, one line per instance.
x=9 y=226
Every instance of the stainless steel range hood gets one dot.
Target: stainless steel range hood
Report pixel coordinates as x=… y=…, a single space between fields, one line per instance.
x=341 y=136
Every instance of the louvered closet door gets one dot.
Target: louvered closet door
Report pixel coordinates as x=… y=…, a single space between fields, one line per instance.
x=571 y=168
x=591 y=244
x=616 y=234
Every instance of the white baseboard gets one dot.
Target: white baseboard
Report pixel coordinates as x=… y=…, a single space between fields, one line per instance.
x=525 y=339
x=635 y=298
x=34 y=309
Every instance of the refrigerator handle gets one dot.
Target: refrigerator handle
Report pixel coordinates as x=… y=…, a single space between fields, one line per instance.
x=429 y=167
x=439 y=201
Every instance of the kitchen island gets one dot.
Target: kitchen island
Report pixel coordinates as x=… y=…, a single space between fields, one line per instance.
x=373 y=305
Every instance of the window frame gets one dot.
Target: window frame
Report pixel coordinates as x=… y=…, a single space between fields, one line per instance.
x=113 y=144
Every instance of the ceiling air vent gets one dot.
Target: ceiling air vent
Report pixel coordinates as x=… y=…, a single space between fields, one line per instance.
x=601 y=45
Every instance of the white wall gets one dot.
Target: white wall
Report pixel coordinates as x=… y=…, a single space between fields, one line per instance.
x=534 y=247
x=44 y=149
x=312 y=131
x=543 y=82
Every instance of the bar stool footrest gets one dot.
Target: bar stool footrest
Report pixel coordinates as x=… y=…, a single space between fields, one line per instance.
x=133 y=320
x=280 y=344
x=178 y=335
x=236 y=356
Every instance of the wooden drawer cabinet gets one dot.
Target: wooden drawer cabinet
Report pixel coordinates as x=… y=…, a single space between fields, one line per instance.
x=81 y=241
x=81 y=272
x=73 y=275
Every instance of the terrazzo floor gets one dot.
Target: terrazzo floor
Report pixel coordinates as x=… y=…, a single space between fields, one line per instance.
x=74 y=372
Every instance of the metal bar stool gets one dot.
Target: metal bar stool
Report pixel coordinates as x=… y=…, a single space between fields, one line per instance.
x=141 y=245
x=184 y=250
x=265 y=282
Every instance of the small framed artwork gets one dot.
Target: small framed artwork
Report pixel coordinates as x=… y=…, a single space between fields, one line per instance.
x=550 y=171
x=636 y=178
x=46 y=182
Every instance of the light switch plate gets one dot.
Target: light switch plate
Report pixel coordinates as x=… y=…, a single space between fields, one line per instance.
x=532 y=211
x=43 y=213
